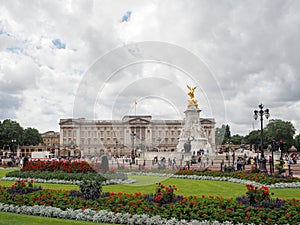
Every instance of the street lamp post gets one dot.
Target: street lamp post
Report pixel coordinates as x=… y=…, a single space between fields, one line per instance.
x=13 y=145
x=281 y=149
x=228 y=153
x=117 y=147
x=261 y=113
x=132 y=151
x=273 y=148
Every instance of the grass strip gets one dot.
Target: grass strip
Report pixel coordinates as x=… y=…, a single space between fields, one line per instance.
x=19 y=219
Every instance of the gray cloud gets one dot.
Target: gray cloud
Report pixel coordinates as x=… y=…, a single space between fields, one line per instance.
x=250 y=48
x=8 y=104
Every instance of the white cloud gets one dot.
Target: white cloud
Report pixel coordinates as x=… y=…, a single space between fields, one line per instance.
x=250 y=48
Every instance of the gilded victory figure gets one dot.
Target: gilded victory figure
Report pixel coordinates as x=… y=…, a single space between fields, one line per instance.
x=192 y=100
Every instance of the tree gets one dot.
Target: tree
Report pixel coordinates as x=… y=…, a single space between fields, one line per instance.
x=253 y=138
x=237 y=139
x=32 y=136
x=227 y=134
x=297 y=142
x=11 y=134
x=280 y=130
x=222 y=134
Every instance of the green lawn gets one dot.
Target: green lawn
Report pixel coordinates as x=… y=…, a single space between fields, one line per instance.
x=17 y=219
x=185 y=187
x=145 y=184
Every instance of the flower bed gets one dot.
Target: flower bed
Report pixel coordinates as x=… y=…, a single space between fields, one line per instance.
x=165 y=204
x=69 y=167
x=243 y=175
x=68 y=171
x=220 y=178
x=60 y=175
x=102 y=216
x=23 y=187
x=74 y=182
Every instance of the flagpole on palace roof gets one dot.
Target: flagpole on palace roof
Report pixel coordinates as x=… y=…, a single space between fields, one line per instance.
x=135 y=103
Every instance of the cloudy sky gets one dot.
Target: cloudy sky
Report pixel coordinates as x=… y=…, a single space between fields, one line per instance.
x=95 y=59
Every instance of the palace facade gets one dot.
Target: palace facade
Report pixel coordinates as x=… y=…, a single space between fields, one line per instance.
x=81 y=137
x=51 y=139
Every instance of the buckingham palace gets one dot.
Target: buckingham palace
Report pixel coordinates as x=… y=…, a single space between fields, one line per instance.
x=81 y=137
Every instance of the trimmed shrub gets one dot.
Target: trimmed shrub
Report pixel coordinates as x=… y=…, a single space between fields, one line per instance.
x=90 y=189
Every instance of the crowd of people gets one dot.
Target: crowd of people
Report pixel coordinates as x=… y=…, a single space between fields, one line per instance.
x=200 y=160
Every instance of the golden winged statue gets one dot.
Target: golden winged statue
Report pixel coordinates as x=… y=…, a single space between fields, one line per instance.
x=192 y=100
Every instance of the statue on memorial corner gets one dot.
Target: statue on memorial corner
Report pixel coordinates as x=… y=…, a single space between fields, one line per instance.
x=192 y=100
x=187 y=145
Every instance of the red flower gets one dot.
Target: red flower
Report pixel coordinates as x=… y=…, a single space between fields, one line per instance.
x=249 y=187
x=203 y=215
x=288 y=215
x=229 y=210
x=158 y=198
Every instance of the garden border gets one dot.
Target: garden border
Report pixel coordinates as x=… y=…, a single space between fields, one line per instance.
x=228 y=179
x=104 y=216
x=74 y=182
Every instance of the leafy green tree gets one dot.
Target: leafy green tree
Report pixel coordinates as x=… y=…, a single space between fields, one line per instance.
x=32 y=136
x=297 y=142
x=280 y=130
x=237 y=139
x=227 y=134
x=222 y=134
x=253 y=137
x=11 y=134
